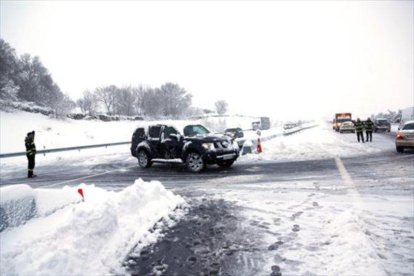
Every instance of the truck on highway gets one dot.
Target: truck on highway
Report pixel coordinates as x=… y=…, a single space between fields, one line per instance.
x=339 y=119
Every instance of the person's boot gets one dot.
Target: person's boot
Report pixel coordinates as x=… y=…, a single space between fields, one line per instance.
x=30 y=174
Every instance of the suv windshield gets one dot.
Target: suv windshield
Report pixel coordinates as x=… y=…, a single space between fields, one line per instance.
x=194 y=130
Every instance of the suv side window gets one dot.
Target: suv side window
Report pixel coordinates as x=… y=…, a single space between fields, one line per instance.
x=154 y=132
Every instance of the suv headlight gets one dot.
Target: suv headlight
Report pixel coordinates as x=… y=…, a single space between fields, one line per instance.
x=208 y=146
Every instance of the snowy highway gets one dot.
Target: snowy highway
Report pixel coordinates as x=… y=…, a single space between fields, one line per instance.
x=314 y=203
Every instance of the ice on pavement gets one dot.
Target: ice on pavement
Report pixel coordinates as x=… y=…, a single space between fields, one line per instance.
x=321 y=232
x=69 y=237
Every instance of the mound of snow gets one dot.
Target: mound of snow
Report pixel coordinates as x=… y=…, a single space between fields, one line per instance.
x=85 y=238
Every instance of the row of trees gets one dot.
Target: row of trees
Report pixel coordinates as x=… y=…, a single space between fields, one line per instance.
x=26 y=79
x=169 y=100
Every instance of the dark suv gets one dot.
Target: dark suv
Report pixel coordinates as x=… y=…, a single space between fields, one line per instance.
x=197 y=147
x=382 y=125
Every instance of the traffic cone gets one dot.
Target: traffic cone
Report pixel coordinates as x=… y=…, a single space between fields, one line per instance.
x=259 y=146
x=80 y=191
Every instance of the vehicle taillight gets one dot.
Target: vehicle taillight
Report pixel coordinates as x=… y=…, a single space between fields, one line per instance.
x=399 y=136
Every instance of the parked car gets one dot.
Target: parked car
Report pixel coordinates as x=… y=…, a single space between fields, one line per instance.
x=381 y=124
x=405 y=137
x=347 y=126
x=236 y=134
x=195 y=146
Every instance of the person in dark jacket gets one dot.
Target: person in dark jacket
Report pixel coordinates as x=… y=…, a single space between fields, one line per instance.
x=369 y=128
x=359 y=128
x=30 y=153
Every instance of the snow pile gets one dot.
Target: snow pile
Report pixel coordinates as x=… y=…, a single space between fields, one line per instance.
x=17 y=205
x=87 y=238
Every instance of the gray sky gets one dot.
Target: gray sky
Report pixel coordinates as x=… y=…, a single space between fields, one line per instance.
x=276 y=58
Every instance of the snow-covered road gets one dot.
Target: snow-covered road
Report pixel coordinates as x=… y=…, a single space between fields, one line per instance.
x=314 y=203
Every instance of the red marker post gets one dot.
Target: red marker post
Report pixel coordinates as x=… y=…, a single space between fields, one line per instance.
x=80 y=191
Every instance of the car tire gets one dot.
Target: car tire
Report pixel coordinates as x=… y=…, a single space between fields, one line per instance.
x=194 y=162
x=341 y=131
x=144 y=159
x=400 y=149
x=225 y=164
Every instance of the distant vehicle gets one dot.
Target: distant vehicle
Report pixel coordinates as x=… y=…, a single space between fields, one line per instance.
x=405 y=137
x=196 y=148
x=382 y=124
x=256 y=125
x=263 y=124
x=289 y=125
x=236 y=134
x=347 y=126
x=407 y=114
x=339 y=119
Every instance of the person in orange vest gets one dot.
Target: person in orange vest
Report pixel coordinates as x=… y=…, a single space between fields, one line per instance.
x=30 y=153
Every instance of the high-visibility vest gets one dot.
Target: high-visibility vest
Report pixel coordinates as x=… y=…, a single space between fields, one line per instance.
x=369 y=126
x=359 y=126
x=30 y=147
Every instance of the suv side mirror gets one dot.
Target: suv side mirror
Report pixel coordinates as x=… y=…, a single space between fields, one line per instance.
x=173 y=136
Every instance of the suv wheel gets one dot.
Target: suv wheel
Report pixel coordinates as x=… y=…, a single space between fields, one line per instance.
x=225 y=164
x=144 y=160
x=194 y=162
x=400 y=149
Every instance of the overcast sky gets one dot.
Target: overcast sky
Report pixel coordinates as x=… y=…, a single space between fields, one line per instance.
x=277 y=58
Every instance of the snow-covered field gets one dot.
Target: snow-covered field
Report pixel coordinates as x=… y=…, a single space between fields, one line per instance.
x=322 y=228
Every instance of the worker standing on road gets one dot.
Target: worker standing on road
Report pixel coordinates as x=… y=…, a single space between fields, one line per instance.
x=359 y=128
x=369 y=127
x=30 y=153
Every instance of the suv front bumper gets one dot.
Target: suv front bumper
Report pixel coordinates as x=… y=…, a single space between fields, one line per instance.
x=212 y=157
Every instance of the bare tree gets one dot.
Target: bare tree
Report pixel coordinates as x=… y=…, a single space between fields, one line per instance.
x=151 y=103
x=124 y=101
x=176 y=101
x=9 y=69
x=107 y=96
x=89 y=103
x=62 y=105
x=221 y=107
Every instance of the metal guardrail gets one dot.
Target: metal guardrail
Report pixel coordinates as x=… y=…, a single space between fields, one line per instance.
x=13 y=154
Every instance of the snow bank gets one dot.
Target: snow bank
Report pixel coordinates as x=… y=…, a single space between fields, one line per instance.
x=85 y=238
x=17 y=205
